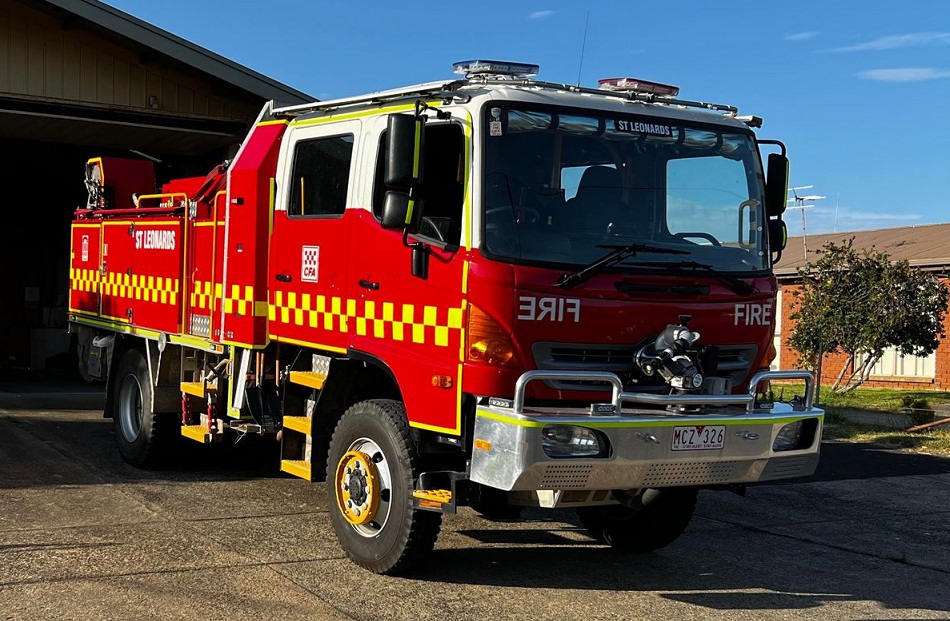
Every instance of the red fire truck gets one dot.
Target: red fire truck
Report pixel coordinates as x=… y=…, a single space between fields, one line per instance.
x=486 y=291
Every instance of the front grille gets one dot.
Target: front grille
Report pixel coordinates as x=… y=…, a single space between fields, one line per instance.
x=590 y=354
x=734 y=364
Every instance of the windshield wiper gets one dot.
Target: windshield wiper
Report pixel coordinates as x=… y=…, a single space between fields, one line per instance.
x=736 y=285
x=618 y=254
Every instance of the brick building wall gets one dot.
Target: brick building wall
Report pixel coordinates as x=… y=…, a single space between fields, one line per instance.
x=832 y=364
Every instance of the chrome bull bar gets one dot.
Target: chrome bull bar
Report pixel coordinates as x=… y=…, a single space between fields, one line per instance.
x=618 y=396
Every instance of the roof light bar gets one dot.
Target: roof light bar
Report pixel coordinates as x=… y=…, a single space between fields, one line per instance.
x=470 y=68
x=636 y=85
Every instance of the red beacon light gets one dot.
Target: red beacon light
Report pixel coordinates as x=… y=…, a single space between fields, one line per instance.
x=635 y=85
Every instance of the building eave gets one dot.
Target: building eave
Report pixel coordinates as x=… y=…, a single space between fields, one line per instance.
x=184 y=51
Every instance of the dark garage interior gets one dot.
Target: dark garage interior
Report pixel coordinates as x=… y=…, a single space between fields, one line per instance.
x=80 y=79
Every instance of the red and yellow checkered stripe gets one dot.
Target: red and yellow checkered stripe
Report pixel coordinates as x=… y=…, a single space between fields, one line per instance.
x=387 y=320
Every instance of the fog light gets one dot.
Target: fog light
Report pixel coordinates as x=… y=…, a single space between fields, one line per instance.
x=788 y=437
x=571 y=441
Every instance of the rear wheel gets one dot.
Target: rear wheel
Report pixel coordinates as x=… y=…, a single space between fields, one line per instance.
x=654 y=519
x=146 y=439
x=371 y=471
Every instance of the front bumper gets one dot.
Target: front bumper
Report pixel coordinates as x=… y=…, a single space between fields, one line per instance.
x=509 y=453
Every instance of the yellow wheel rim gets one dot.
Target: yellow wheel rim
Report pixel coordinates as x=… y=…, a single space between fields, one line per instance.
x=357 y=488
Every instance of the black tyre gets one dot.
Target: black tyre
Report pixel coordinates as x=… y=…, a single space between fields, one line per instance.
x=371 y=471
x=146 y=439
x=655 y=519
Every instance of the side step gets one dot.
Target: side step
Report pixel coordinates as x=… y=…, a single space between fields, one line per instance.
x=310 y=379
x=296 y=467
x=300 y=424
x=439 y=491
x=434 y=500
x=296 y=434
x=198 y=389
x=198 y=433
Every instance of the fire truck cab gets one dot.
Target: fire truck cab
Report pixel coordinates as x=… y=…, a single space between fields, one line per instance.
x=490 y=291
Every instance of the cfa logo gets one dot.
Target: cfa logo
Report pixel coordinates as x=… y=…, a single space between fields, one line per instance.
x=548 y=309
x=310 y=264
x=753 y=314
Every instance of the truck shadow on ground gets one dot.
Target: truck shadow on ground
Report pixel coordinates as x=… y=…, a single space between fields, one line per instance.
x=841 y=461
x=718 y=578
x=58 y=451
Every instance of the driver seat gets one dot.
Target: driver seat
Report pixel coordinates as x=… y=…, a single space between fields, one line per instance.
x=597 y=207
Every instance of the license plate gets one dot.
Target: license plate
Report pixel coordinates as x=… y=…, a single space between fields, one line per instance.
x=699 y=438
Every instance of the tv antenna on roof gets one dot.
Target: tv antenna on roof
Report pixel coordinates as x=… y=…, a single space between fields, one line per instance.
x=800 y=202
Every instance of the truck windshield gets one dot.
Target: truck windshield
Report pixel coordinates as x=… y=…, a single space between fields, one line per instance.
x=564 y=187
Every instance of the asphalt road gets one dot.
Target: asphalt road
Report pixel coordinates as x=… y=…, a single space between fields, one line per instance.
x=84 y=536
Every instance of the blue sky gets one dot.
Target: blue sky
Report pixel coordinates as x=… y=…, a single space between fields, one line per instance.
x=860 y=92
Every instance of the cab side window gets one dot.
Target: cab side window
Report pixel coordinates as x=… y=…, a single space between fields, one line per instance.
x=320 y=176
x=443 y=182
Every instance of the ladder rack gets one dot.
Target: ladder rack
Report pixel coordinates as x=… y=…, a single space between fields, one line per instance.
x=449 y=90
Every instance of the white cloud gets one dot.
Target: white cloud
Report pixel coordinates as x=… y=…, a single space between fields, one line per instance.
x=890 y=42
x=802 y=36
x=541 y=14
x=906 y=74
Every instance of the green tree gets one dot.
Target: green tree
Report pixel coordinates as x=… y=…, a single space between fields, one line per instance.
x=859 y=303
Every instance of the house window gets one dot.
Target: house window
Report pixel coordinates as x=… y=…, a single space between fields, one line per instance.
x=892 y=364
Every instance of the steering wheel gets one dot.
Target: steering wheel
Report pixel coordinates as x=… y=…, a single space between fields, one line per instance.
x=701 y=235
x=521 y=214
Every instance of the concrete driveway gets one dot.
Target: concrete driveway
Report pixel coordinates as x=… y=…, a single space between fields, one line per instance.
x=84 y=536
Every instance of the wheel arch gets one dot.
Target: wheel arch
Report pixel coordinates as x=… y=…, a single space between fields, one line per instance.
x=164 y=372
x=358 y=377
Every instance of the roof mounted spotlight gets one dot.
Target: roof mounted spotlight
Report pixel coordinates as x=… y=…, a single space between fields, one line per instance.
x=495 y=68
x=751 y=120
x=636 y=85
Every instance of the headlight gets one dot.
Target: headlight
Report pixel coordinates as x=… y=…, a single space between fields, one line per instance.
x=572 y=441
x=788 y=437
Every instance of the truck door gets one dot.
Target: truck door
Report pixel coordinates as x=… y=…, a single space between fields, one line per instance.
x=310 y=294
x=413 y=324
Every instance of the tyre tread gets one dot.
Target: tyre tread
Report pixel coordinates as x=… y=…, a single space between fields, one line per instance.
x=423 y=526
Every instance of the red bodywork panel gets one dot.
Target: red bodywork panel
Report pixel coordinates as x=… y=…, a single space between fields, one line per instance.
x=526 y=303
x=250 y=200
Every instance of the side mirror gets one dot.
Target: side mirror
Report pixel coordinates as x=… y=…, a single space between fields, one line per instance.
x=776 y=185
x=406 y=140
x=401 y=211
x=778 y=236
x=402 y=176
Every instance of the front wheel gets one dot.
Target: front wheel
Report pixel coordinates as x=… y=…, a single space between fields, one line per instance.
x=371 y=469
x=653 y=519
x=146 y=439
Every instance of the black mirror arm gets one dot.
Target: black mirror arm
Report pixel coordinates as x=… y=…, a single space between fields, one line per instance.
x=420 y=256
x=422 y=107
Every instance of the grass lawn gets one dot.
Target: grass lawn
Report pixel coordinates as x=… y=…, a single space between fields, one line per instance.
x=917 y=403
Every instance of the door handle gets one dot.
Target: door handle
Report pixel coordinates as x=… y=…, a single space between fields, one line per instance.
x=366 y=284
x=284 y=277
